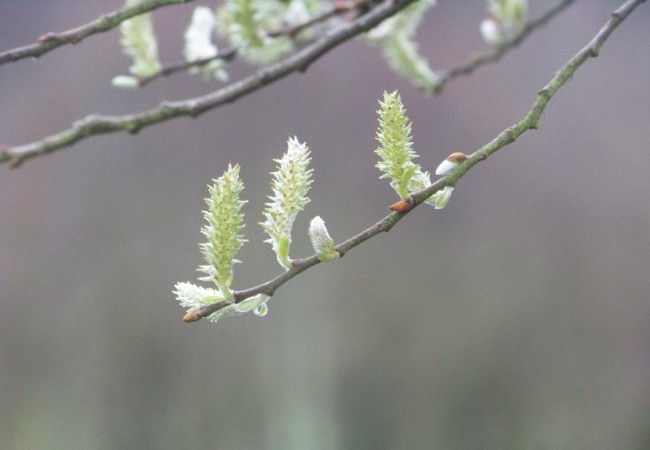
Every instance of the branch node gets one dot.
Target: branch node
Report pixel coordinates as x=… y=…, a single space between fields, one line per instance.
x=297 y=262
x=402 y=206
x=166 y=104
x=49 y=36
x=14 y=161
x=132 y=127
x=265 y=75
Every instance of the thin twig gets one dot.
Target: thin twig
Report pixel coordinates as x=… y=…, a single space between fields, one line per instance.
x=229 y=54
x=106 y=22
x=343 y=6
x=508 y=136
x=97 y=124
x=340 y=7
x=297 y=62
x=498 y=52
x=225 y=55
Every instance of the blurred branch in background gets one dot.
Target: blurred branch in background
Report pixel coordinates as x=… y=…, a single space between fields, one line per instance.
x=229 y=54
x=224 y=55
x=299 y=61
x=506 y=137
x=49 y=41
x=499 y=51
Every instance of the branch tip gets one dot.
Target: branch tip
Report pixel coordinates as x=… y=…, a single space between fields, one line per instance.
x=52 y=40
x=191 y=316
x=504 y=138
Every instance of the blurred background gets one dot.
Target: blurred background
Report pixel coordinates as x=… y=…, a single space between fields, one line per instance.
x=516 y=318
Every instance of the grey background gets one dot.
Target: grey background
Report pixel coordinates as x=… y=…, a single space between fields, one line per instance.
x=516 y=318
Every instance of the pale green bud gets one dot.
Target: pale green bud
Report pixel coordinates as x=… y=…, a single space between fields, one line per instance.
x=139 y=42
x=492 y=33
x=246 y=24
x=321 y=241
x=452 y=161
x=125 y=82
x=198 y=36
x=507 y=17
x=199 y=45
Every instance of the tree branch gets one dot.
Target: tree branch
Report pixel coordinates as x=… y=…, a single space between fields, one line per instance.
x=497 y=53
x=339 y=7
x=508 y=136
x=342 y=6
x=225 y=55
x=106 y=22
x=99 y=124
x=297 y=62
x=346 y=6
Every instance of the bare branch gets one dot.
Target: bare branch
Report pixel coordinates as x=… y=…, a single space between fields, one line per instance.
x=106 y=22
x=297 y=62
x=225 y=55
x=508 y=136
x=347 y=6
x=342 y=6
x=496 y=54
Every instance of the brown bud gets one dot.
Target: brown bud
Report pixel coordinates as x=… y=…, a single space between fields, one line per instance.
x=457 y=157
x=401 y=206
x=191 y=316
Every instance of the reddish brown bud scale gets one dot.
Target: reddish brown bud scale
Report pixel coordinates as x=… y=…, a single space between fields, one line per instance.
x=449 y=164
x=401 y=206
x=457 y=157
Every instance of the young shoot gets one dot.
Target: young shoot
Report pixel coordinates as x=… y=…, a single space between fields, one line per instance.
x=224 y=239
x=290 y=185
x=396 y=145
